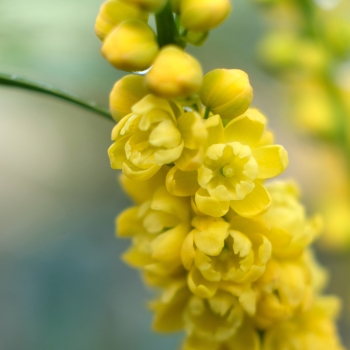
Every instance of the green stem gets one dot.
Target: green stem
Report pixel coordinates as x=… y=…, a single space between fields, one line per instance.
x=23 y=83
x=166 y=27
x=206 y=113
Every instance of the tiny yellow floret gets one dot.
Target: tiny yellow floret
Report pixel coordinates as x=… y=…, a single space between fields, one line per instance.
x=174 y=74
x=131 y=46
x=226 y=92
x=126 y=92
x=203 y=15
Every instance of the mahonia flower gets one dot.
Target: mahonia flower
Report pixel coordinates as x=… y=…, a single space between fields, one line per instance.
x=286 y=287
x=310 y=330
x=157 y=132
x=125 y=93
x=183 y=74
x=226 y=92
x=236 y=160
x=131 y=46
x=218 y=251
x=158 y=228
x=203 y=15
x=290 y=231
x=114 y=12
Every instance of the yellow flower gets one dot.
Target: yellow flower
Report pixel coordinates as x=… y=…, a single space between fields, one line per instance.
x=131 y=46
x=158 y=228
x=113 y=12
x=203 y=15
x=218 y=251
x=149 y=5
x=236 y=160
x=311 y=330
x=284 y=288
x=174 y=74
x=226 y=92
x=157 y=132
x=291 y=232
x=245 y=338
x=126 y=92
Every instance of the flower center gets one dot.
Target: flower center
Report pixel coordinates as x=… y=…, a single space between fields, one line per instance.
x=227 y=170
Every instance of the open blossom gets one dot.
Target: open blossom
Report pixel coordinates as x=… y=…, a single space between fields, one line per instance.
x=155 y=133
x=158 y=228
x=217 y=251
x=237 y=158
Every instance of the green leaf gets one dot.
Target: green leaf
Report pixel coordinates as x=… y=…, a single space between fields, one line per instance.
x=23 y=83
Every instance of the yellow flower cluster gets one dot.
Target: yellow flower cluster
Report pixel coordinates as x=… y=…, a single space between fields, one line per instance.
x=229 y=253
x=309 y=48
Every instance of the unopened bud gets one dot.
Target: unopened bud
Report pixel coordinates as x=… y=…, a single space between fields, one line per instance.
x=174 y=74
x=113 y=12
x=131 y=46
x=149 y=5
x=126 y=92
x=203 y=15
x=226 y=92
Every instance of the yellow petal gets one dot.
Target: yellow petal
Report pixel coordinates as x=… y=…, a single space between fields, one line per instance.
x=164 y=201
x=210 y=205
x=199 y=285
x=167 y=156
x=247 y=128
x=192 y=129
x=165 y=134
x=142 y=191
x=188 y=253
x=215 y=130
x=256 y=202
x=167 y=246
x=190 y=159
x=137 y=258
x=138 y=174
x=127 y=224
x=212 y=240
x=181 y=183
x=272 y=161
x=116 y=153
x=245 y=338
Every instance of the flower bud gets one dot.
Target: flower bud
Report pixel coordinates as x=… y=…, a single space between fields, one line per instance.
x=131 y=46
x=203 y=15
x=113 y=12
x=149 y=5
x=174 y=74
x=226 y=92
x=126 y=92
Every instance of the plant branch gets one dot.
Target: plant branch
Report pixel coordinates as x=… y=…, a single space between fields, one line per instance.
x=23 y=83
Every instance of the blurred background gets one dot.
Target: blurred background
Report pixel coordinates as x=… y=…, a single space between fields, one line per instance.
x=63 y=285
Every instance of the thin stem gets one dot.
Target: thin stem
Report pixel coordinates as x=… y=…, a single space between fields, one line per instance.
x=23 y=83
x=167 y=31
x=206 y=113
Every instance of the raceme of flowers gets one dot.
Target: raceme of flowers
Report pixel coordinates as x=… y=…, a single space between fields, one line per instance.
x=228 y=253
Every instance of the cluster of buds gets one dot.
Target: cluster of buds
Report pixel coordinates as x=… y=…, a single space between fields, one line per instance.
x=228 y=253
x=309 y=49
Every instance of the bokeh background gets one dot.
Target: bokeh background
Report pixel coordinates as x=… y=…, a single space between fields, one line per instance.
x=62 y=283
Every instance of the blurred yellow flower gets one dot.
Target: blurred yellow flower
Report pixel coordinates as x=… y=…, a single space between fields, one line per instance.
x=290 y=231
x=149 y=5
x=157 y=132
x=203 y=15
x=310 y=330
